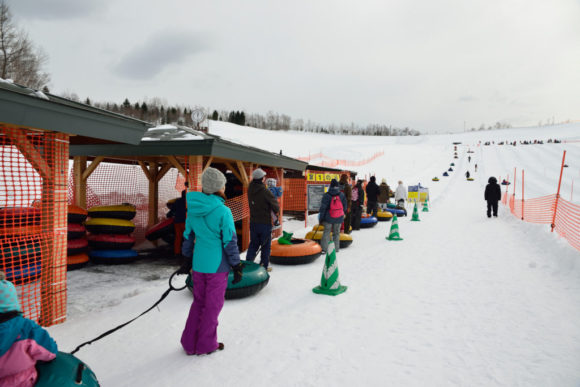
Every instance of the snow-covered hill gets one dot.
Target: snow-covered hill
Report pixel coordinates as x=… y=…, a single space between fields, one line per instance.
x=463 y=301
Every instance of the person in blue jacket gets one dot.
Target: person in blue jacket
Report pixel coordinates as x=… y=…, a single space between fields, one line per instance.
x=22 y=341
x=210 y=239
x=332 y=208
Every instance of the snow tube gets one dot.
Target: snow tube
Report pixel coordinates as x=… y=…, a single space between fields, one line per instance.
x=111 y=242
x=384 y=216
x=455 y=157
x=450 y=169
x=368 y=222
x=470 y=179
x=75 y=231
x=445 y=174
x=76 y=246
x=345 y=240
x=19 y=216
x=161 y=229
x=65 y=371
x=109 y=226
x=122 y=211
x=397 y=211
x=452 y=164
x=391 y=205
x=76 y=214
x=505 y=183
x=435 y=179
x=113 y=256
x=77 y=261
x=21 y=259
x=254 y=279
x=299 y=252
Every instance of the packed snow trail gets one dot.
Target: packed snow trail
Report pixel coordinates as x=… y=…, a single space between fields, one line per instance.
x=463 y=300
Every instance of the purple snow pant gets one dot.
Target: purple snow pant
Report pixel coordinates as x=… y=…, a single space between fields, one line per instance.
x=200 y=333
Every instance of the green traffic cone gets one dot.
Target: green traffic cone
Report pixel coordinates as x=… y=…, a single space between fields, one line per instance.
x=415 y=217
x=329 y=283
x=425 y=206
x=394 y=233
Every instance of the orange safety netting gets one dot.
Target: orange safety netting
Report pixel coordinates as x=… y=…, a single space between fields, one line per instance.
x=33 y=168
x=294 y=197
x=543 y=210
x=331 y=162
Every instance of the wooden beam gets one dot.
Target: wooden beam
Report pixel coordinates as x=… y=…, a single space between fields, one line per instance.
x=163 y=171
x=145 y=170
x=207 y=164
x=91 y=168
x=243 y=173
x=177 y=165
x=153 y=195
x=18 y=138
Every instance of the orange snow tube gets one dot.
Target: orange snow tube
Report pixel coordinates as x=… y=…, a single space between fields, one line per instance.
x=299 y=252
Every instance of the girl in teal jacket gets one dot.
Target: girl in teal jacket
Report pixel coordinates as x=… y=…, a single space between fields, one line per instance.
x=211 y=234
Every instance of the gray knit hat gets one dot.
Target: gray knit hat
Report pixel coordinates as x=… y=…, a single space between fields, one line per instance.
x=212 y=180
x=258 y=173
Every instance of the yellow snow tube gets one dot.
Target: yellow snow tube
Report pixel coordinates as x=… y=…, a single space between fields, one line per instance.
x=345 y=239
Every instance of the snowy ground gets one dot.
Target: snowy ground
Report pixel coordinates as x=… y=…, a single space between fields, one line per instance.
x=463 y=301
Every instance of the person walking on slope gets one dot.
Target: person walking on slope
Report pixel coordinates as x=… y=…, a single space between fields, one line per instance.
x=358 y=199
x=400 y=195
x=347 y=190
x=492 y=195
x=331 y=215
x=210 y=239
x=383 y=194
x=372 y=190
x=262 y=205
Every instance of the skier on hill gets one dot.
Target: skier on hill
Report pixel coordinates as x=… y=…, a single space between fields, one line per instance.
x=331 y=215
x=492 y=196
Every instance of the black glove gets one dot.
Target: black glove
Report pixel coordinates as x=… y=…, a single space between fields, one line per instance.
x=238 y=272
x=185 y=266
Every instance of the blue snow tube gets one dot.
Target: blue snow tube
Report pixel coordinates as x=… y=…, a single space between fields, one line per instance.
x=445 y=174
x=64 y=371
x=368 y=222
x=254 y=279
x=450 y=169
x=397 y=211
x=113 y=256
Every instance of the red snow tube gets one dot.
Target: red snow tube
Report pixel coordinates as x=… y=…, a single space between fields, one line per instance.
x=76 y=231
x=111 y=241
x=159 y=230
x=76 y=246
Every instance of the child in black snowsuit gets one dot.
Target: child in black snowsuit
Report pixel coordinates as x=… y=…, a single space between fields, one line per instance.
x=492 y=196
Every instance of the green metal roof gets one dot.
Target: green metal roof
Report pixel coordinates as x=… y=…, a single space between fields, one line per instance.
x=21 y=106
x=206 y=145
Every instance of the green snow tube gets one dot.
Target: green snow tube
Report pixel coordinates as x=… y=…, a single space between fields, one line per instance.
x=254 y=279
x=64 y=371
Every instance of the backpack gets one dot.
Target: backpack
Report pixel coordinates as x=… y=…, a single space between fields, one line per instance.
x=336 y=209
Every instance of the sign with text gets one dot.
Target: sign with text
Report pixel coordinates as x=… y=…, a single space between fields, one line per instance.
x=322 y=177
x=315 y=192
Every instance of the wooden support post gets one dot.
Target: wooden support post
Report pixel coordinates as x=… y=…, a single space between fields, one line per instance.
x=91 y=168
x=208 y=163
x=558 y=193
x=80 y=184
x=173 y=160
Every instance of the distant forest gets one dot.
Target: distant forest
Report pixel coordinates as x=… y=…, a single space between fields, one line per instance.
x=157 y=111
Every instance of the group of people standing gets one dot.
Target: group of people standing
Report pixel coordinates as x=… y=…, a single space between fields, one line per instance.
x=352 y=201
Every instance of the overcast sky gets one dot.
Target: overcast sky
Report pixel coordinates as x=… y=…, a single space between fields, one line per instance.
x=432 y=65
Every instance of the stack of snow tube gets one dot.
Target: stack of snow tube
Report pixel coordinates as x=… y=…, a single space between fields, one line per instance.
x=163 y=230
x=301 y=251
x=20 y=254
x=367 y=221
x=110 y=239
x=65 y=371
x=77 y=244
x=316 y=235
x=254 y=279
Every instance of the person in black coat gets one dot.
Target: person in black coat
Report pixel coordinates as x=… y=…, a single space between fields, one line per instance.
x=372 y=197
x=492 y=196
x=356 y=204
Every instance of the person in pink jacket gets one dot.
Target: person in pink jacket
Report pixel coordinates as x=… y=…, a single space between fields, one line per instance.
x=22 y=341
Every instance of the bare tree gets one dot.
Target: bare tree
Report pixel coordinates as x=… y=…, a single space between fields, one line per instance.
x=19 y=60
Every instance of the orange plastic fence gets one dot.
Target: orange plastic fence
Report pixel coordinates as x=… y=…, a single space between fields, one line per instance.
x=331 y=162
x=294 y=197
x=541 y=210
x=33 y=228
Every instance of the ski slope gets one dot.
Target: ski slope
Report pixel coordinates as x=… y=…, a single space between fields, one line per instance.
x=463 y=300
